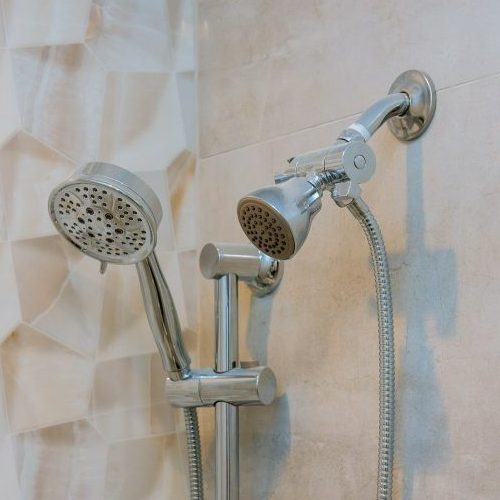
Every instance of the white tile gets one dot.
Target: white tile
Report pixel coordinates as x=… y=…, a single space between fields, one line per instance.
x=10 y=483
x=60 y=91
x=45 y=383
x=65 y=461
x=183 y=184
x=145 y=468
x=130 y=35
x=41 y=268
x=29 y=171
x=142 y=127
x=182 y=18
x=10 y=120
x=9 y=293
x=74 y=317
x=124 y=329
x=31 y=23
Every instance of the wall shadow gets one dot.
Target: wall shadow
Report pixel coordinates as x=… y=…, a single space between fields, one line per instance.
x=425 y=290
x=265 y=431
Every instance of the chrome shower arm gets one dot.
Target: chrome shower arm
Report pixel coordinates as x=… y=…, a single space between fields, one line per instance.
x=376 y=115
x=163 y=318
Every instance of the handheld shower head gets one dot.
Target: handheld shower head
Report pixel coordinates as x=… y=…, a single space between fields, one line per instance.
x=108 y=213
x=111 y=215
x=276 y=219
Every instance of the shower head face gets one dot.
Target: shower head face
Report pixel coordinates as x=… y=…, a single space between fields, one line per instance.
x=108 y=213
x=276 y=219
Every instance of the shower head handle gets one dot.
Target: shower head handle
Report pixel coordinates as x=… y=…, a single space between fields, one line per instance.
x=163 y=319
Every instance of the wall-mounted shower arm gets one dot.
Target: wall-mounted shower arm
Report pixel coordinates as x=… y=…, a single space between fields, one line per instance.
x=376 y=115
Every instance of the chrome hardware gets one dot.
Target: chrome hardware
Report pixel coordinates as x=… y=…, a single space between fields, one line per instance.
x=239 y=387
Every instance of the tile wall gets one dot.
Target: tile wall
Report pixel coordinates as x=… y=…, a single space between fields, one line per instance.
x=82 y=412
x=278 y=77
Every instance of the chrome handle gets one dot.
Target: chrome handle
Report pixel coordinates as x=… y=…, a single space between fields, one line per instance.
x=162 y=318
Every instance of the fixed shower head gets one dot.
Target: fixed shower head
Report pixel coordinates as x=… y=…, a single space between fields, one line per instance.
x=276 y=219
x=108 y=213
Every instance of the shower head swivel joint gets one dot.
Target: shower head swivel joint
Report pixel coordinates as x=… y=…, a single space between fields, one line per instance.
x=277 y=219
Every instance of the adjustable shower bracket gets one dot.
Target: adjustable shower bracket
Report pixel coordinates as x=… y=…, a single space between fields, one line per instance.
x=230 y=383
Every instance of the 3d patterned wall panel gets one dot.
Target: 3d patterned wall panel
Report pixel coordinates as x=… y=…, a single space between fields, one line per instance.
x=82 y=410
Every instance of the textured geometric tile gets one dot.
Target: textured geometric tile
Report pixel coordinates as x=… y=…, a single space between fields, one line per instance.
x=10 y=121
x=158 y=181
x=190 y=275
x=186 y=84
x=41 y=267
x=29 y=171
x=74 y=317
x=9 y=294
x=130 y=35
x=62 y=462
x=124 y=325
x=182 y=18
x=60 y=92
x=45 y=383
x=146 y=468
x=142 y=125
x=31 y=23
x=10 y=484
x=183 y=190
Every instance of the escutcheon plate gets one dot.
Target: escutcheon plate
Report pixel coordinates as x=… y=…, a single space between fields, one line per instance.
x=420 y=88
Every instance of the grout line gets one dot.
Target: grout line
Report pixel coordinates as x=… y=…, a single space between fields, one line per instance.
x=336 y=120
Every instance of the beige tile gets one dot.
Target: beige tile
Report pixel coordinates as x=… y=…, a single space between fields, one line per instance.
x=268 y=68
x=65 y=461
x=31 y=23
x=130 y=35
x=29 y=171
x=60 y=91
x=45 y=383
x=9 y=293
x=142 y=126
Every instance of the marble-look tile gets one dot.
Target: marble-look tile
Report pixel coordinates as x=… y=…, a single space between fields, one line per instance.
x=60 y=92
x=294 y=68
x=142 y=125
x=190 y=275
x=61 y=462
x=31 y=23
x=136 y=409
x=158 y=180
x=124 y=329
x=182 y=18
x=11 y=119
x=144 y=468
x=130 y=35
x=41 y=268
x=10 y=483
x=29 y=171
x=183 y=199
x=187 y=86
x=133 y=390
x=45 y=383
x=9 y=293
x=170 y=265
x=74 y=317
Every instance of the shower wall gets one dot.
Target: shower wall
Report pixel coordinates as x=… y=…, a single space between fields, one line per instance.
x=284 y=76
x=82 y=410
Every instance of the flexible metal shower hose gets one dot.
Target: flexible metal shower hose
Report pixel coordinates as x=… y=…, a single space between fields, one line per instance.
x=386 y=346
x=194 y=454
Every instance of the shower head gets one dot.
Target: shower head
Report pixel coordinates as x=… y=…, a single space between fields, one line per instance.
x=276 y=219
x=111 y=215
x=108 y=213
